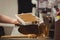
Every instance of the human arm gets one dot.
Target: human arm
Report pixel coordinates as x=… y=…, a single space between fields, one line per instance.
x=6 y=19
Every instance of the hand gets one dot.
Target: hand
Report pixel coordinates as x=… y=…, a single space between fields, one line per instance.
x=15 y=21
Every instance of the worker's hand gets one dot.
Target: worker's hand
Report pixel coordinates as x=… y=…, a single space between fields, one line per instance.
x=15 y=21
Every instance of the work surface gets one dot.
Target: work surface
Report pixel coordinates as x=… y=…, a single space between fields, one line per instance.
x=15 y=36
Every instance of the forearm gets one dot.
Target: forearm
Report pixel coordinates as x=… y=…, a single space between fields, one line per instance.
x=6 y=19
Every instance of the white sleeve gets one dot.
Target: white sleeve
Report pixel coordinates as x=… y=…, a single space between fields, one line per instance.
x=51 y=3
x=33 y=1
x=41 y=19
